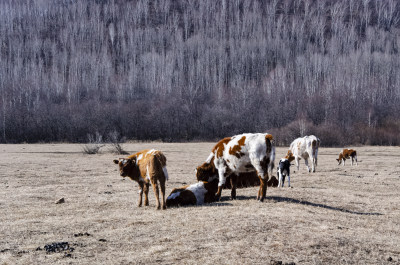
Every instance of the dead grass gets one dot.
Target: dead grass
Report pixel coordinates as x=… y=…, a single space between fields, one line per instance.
x=339 y=215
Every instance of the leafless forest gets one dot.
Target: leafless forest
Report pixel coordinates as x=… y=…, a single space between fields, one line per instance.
x=179 y=70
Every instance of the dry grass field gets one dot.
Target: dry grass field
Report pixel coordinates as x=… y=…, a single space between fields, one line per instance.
x=338 y=215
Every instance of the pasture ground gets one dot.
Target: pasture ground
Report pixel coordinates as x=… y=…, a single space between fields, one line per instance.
x=338 y=215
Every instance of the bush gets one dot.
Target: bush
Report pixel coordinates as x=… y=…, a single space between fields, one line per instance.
x=94 y=144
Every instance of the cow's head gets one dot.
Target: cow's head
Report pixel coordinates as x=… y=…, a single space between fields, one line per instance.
x=289 y=156
x=339 y=161
x=206 y=172
x=126 y=165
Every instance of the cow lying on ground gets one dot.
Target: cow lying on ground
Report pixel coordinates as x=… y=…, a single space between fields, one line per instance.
x=239 y=154
x=195 y=194
x=203 y=192
x=306 y=148
x=284 y=169
x=346 y=154
x=145 y=167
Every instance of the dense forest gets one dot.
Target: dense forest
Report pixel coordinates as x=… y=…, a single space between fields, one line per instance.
x=184 y=70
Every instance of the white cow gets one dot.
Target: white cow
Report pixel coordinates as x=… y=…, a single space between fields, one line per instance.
x=306 y=148
x=239 y=154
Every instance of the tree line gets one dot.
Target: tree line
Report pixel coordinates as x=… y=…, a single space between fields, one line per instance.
x=184 y=70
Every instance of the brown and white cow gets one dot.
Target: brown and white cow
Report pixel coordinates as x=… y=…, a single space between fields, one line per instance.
x=307 y=148
x=195 y=194
x=204 y=192
x=145 y=167
x=239 y=154
x=346 y=154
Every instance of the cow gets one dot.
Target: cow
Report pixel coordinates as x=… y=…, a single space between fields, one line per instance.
x=239 y=154
x=305 y=147
x=204 y=192
x=283 y=169
x=346 y=154
x=244 y=180
x=145 y=167
x=195 y=194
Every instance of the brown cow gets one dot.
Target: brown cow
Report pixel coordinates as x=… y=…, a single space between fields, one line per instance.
x=346 y=154
x=145 y=167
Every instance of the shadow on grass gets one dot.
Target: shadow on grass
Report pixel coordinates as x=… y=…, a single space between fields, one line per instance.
x=319 y=205
x=224 y=202
x=291 y=200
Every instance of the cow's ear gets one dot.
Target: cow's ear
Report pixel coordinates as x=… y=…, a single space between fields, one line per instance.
x=116 y=161
x=131 y=161
x=337 y=159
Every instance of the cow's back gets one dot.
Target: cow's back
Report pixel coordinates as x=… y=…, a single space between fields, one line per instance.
x=151 y=162
x=305 y=145
x=241 y=149
x=297 y=146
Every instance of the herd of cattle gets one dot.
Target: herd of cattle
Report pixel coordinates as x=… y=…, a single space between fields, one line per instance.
x=244 y=160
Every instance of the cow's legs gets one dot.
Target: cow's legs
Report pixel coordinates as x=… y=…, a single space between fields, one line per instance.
x=156 y=193
x=146 y=194
x=288 y=176
x=262 y=172
x=221 y=183
x=263 y=186
x=296 y=160
x=355 y=157
x=314 y=163
x=141 y=186
x=162 y=186
x=306 y=162
x=233 y=184
x=280 y=184
x=344 y=161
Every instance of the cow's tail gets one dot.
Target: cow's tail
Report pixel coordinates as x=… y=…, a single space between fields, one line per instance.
x=163 y=161
x=315 y=146
x=271 y=150
x=272 y=160
x=165 y=173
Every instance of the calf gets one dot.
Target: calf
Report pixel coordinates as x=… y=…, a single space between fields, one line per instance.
x=195 y=194
x=238 y=154
x=346 y=154
x=284 y=169
x=145 y=167
x=305 y=147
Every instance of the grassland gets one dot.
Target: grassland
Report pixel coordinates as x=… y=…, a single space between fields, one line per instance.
x=338 y=215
